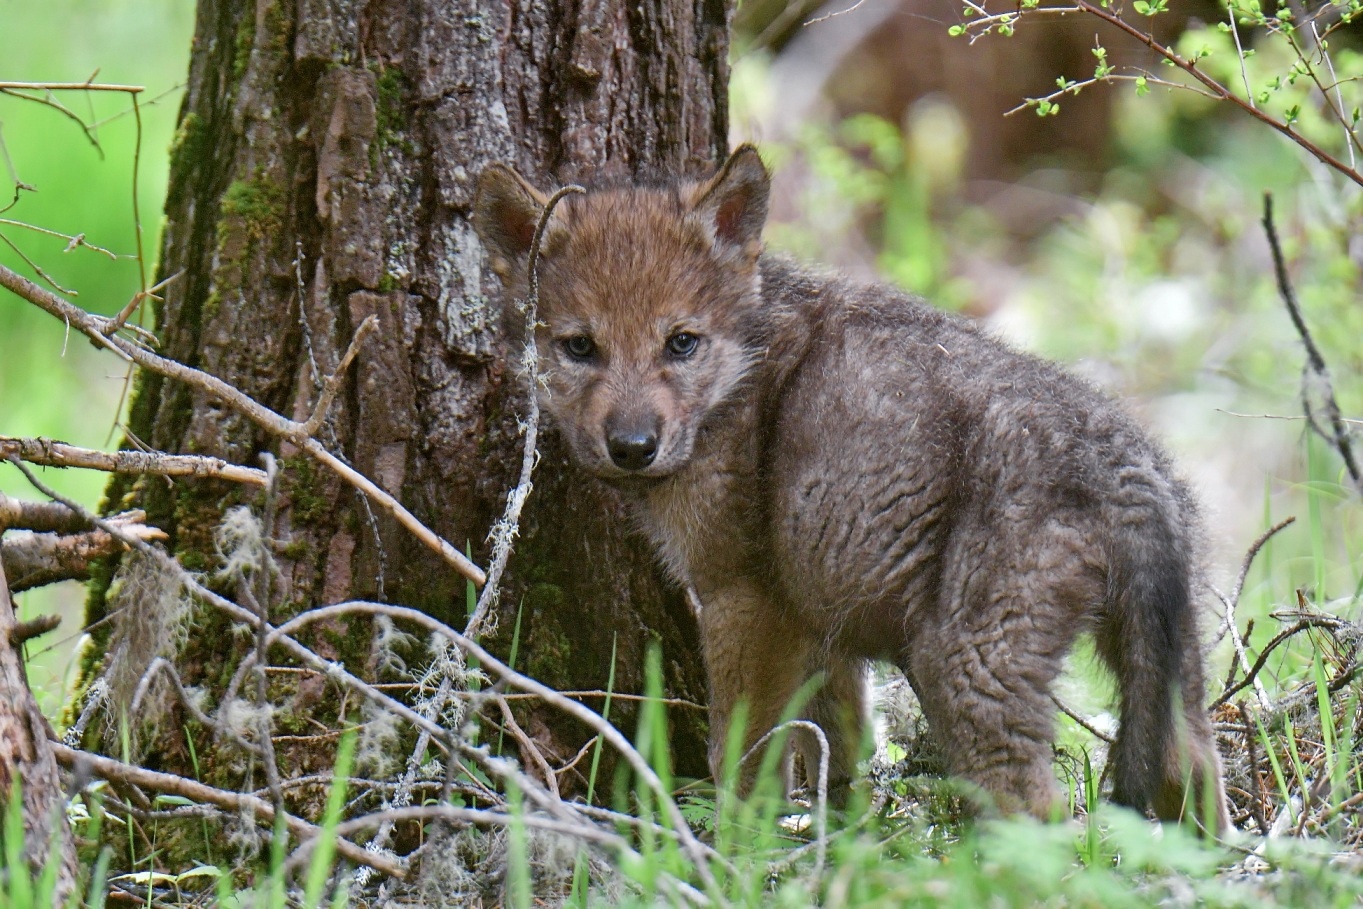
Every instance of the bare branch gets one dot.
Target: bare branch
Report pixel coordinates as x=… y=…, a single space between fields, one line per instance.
x=70 y=86
x=1302 y=624
x=132 y=775
x=1339 y=435
x=94 y=327
x=330 y=669
x=333 y=382
x=20 y=632
x=38 y=559
x=821 y=783
x=570 y=707
x=1082 y=720
x=51 y=453
x=44 y=517
x=505 y=530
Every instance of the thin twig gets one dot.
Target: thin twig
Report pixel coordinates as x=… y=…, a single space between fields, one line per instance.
x=698 y=853
x=1339 y=437
x=71 y=86
x=505 y=530
x=529 y=749
x=1082 y=720
x=1232 y=603
x=160 y=666
x=1256 y=802
x=484 y=818
x=132 y=775
x=1277 y=641
x=73 y=241
x=820 y=786
x=1239 y=51
x=1279 y=416
x=332 y=384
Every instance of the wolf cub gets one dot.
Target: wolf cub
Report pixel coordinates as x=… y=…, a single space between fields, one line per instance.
x=841 y=474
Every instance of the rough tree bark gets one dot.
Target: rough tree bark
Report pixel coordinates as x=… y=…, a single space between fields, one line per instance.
x=323 y=172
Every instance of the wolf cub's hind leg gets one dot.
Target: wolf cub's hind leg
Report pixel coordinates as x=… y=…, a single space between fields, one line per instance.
x=839 y=708
x=984 y=662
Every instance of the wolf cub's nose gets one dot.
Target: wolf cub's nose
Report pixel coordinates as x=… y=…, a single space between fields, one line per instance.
x=632 y=450
x=633 y=444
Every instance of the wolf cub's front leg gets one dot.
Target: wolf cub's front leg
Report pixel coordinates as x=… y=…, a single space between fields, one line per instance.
x=757 y=656
x=753 y=657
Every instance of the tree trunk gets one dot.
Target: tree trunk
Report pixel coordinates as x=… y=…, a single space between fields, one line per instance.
x=323 y=172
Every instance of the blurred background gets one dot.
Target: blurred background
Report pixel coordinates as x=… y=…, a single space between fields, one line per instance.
x=52 y=384
x=1120 y=234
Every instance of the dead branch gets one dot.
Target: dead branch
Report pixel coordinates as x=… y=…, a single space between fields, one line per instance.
x=820 y=788
x=1317 y=372
x=484 y=818
x=102 y=332
x=529 y=750
x=572 y=708
x=1082 y=721
x=1232 y=602
x=42 y=557
x=162 y=666
x=44 y=517
x=21 y=632
x=84 y=763
x=39 y=559
x=1278 y=640
x=505 y=530
x=330 y=669
x=70 y=86
x=51 y=453
x=1256 y=800
x=28 y=769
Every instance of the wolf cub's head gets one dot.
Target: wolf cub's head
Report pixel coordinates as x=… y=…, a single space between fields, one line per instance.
x=649 y=305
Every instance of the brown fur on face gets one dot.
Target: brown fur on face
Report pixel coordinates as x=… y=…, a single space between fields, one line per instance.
x=841 y=473
x=630 y=269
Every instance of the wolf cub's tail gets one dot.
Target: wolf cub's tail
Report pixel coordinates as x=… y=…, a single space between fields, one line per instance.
x=1164 y=757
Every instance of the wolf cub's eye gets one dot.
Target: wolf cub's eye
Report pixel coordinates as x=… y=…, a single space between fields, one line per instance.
x=682 y=344
x=579 y=347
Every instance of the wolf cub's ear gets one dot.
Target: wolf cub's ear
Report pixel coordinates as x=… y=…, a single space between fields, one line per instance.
x=734 y=202
x=506 y=211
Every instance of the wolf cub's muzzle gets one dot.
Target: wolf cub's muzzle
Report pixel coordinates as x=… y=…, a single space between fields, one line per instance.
x=632 y=440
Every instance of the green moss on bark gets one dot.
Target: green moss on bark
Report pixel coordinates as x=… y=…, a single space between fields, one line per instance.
x=257 y=204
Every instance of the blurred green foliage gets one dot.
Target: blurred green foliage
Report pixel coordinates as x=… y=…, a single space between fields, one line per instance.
x=53 y=384
x=1157 y=284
